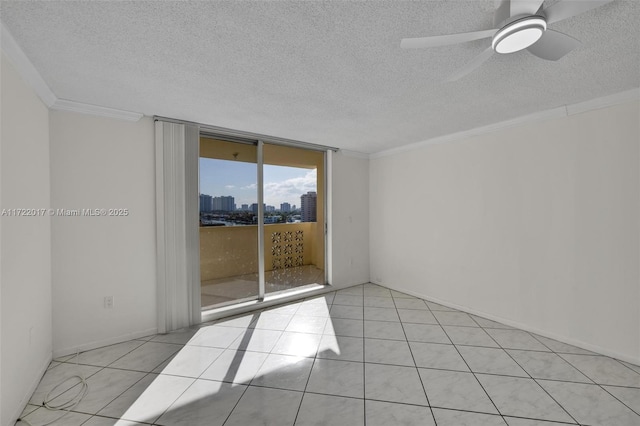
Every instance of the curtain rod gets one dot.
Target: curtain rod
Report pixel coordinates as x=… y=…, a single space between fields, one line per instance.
x=248 y=136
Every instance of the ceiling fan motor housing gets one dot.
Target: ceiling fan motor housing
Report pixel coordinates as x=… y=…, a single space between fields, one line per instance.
x=519 y=34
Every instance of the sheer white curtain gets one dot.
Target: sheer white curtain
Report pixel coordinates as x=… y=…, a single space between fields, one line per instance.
x=177 y=222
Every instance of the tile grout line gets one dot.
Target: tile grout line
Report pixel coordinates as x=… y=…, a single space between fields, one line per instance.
x=424 y=389
x=600 y=385
x=252 y=377
x=619 y=400
x=315 y=357
x=119 y=395
x=469 y=367
x=70 y=388
x=523 y=369
x=70 y=357
x=364 y=370
x=375 y=363
x=504 y=350
x=173 y=402
x=246 y=386
x=540 y=386
x=101 y=368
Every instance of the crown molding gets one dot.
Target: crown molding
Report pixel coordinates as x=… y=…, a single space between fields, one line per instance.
x=66 y=105
x=32 y=77
x=452 y=137
x=604 y=102
x=554 y=113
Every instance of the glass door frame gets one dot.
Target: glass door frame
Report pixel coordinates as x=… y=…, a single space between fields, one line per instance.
x=244 y=141
x=259 y=143
x=260 y=179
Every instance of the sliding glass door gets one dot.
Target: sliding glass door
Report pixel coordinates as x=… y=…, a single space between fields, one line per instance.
x=229 y=266
x=294 y=194
x=262 y=220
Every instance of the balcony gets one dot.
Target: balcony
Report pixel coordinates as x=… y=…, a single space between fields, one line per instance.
x=294 y=257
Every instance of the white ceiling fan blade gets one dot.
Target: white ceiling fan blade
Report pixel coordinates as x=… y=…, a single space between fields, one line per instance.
x=567 y=8
x=445 y=40
x=528 y=7
x=553 y=45
x=475 y=63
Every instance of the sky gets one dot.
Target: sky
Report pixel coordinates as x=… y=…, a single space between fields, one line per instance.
x=238 y=179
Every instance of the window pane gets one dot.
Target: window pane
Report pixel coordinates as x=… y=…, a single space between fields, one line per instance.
x=228 y=222
x=294 y=217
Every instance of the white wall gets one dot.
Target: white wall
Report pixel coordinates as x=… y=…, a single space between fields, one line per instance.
x=102 y=163
x=536 y=225
x=350 y=216
x=105 y=163
x=25 y=250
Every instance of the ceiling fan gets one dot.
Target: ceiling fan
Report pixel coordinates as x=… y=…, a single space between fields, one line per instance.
x=518 y=25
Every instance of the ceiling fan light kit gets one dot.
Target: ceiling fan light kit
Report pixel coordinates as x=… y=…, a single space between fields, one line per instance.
x=519 y=34
x=525 y=28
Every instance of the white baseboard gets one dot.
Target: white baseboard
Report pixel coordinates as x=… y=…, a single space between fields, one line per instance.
x=42 y=368
x=105 y=342
x=545 y=333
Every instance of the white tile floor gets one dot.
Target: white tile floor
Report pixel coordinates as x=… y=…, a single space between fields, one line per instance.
x=363 y=355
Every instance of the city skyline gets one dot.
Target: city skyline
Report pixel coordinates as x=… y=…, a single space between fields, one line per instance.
x=282 y=184
x=209 y=203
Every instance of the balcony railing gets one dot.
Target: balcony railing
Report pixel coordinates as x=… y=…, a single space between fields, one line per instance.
x=228 y=251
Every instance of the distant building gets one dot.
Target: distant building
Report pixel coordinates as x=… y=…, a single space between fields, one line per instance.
x=285 y=207
x=245 y=207
x=224 y=204
x=270 y=209
x=272 y=219
x=206 y=203
x=309 y=206
x=254 y=208
x=294 y=218
x=293 y=208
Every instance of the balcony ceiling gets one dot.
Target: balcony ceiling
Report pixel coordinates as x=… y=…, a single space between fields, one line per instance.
x=323 y=72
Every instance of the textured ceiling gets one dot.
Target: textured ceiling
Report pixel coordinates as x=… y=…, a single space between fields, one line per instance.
x=330 y=73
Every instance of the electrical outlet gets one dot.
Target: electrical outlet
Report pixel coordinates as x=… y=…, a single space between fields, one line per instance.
x=108 y=302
